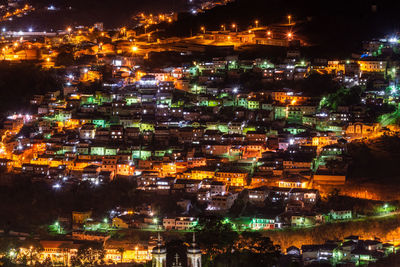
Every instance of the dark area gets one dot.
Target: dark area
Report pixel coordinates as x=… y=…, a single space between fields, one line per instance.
x=334 y=28
x=19 y=82
x=378 y=160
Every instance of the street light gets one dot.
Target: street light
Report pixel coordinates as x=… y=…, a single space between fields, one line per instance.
x=290 y=35
x=203 y=29
x=289 y=18
x=223 y=27
x=12 y=253
x=256 y=22
x=134 y=49
x=234 y=27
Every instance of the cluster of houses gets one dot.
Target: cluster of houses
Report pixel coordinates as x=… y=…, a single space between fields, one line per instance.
x=352 y=251
x=185 y=130
x=193 y=129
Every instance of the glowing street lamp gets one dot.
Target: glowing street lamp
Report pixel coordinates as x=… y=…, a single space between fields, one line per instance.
x=269 y=33
x=289 y=18
x=12 y=253
x=234 y=27
x=256 y=22
x=290 y=35
x=223 y=27
x=69 y=29
x=203 y=29
x=134 y=49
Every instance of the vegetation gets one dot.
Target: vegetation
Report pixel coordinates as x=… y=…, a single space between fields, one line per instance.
x=18 y=83
x=342 y=97
x=386 y=229
x=89 y=255
x=41 y=203
x=359 y=206
x=377 y=158
x=225 y=247
x=64 y=59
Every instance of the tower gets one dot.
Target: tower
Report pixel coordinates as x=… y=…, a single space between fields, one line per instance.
x=159 y=254
x=194 y=254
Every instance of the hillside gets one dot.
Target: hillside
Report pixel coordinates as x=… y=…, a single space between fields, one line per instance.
x=335 y=27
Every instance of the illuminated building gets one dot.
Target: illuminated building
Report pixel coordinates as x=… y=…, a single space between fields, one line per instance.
x=179 y=223
x=80 y=217
x=295 y=182
x=222 y=202
x=233 y=178
x=372 y=65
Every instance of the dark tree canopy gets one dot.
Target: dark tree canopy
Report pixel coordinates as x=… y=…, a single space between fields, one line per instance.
x=18 y=83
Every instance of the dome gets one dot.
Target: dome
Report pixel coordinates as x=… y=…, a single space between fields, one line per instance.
x=159 y=249
x=193 y=248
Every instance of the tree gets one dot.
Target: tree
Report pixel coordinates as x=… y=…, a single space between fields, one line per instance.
x=216 y=235
x=31 y=254
x=90 y=254
x=318 y=85
x=250 y=249
x=335 y=165
x=19 y=82
x=342 y=97
x=46 y=263
x=240 y=204
x=65 y=59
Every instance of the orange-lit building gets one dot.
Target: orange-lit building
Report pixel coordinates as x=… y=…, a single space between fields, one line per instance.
x=288 y=97
x=233 y=178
